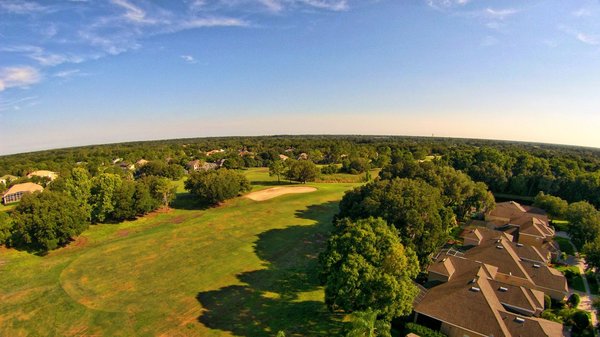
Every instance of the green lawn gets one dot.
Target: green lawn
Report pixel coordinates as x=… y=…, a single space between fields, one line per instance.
x=244 y=268
x=560 y=225
x=565 y=245
x=574 y=280
x=593 y=282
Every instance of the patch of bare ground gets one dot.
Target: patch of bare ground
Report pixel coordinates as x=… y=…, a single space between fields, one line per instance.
x=274 y=192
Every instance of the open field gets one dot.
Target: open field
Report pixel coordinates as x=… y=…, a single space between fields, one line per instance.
x=244 y=268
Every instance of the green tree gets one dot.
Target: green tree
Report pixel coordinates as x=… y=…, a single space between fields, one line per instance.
x=414 y=207
x=163 y=190
x=47 y=220
x=555 y=206
x=592 y=253
x=584 y=223
x=104 y=187
x=573 y=300
x=302 y=170
x=212 y=187
x=79 y=186
x=277 y=168
x=365 y=266
x=366 y=324
x=6 y=228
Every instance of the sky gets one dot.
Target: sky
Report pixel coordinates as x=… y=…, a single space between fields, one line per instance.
x=78 y=72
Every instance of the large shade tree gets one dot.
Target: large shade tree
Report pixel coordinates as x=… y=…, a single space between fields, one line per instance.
x=366 y=267
x=47 y=220
x=414 y=207
x=212 y=187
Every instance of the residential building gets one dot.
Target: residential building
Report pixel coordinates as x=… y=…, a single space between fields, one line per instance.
x=16 y=192
x=43 y=173
x=5 y=179
x=494 y=286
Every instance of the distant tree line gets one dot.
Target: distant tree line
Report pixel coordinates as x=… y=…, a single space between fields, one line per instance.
x=46 y=220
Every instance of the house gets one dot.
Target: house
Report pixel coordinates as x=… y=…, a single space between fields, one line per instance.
x=495 y=286
x=125 y=166
x=44 y=174
x=283 y=157
x=141 y=162
x=116 y=160
x=530 y=223
x=210 y=153
x=303 y=156
x=472 y=303
x=197 y=165
x=16 y=192
x=193 y=165
x=5 y=179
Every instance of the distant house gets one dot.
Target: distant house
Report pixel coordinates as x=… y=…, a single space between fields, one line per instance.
x=116 y=160
x=141 y=162
x=125 y=166
x=44 y=174
x=283 y=157
x=211 y=152
x=193 y=165
x=16 y=192
x=244 y=153
x=303 y=156
x=5 y=179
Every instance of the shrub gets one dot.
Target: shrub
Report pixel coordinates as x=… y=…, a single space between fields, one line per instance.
x=574 y=300
x=422 y=331
x=547 y=302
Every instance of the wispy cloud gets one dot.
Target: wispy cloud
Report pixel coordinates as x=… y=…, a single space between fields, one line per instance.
x=333 y=5
x=587 y=39
x=489 y=41
x=582 y=12
x=15 y=77
x=445 y=4
x=592 y=40
x=134 y=13
x=22 y=7
x=42 y=57
x=16 y=104
x=67 y=73
x=272 y=5
x=497 y=14
x=189 y=59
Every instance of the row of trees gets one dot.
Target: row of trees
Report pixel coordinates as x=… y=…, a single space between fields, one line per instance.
x=296 y=170
x=213 y=187
x=46 y=220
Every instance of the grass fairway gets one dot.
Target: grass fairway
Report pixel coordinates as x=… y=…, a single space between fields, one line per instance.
x=245 y=268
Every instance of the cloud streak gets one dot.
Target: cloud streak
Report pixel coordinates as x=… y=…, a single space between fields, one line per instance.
x=16 y=77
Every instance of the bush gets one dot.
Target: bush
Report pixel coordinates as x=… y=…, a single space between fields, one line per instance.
x=212 y=187
x=422 y=331
x=574 y=300
x=329 y=169
x=547 y=302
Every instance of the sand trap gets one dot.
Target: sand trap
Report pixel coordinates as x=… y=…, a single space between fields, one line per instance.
x=270 y=193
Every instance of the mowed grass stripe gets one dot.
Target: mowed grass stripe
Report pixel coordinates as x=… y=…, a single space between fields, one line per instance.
x=244 y=268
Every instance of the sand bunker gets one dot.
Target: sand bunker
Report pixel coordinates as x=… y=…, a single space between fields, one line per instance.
x=270 y=193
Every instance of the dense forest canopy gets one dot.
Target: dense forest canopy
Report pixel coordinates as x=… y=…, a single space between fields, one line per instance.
x=524 y=169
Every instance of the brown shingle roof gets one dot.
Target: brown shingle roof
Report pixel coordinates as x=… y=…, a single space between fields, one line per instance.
x=24 y=187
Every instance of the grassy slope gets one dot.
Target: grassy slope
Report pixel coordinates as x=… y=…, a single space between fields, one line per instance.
x=244 y=268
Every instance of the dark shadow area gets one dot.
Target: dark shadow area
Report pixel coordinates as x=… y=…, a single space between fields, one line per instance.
x=273 y=183
x=187 y=201
x=271 y=300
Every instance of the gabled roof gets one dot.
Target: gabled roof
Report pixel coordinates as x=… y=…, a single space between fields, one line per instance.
x=499 y=253
x=24 y=187
x=43 y=173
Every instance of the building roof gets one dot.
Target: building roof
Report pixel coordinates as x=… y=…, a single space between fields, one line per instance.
x=8 y=177
x=24 y=187
x=473 y=300
x=43 y=173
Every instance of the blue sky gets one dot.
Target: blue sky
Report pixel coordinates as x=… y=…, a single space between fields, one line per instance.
x=86 y=72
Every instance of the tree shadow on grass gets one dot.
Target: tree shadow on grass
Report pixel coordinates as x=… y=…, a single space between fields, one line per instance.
x=187 y=201
x=272 y=298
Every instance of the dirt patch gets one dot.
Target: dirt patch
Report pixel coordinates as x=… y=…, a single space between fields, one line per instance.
x=122 y=233
x=273 y=192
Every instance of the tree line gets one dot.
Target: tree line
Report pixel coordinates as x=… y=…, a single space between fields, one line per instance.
x=46 y=220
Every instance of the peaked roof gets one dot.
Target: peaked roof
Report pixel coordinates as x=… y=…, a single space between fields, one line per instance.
x=24 y=187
